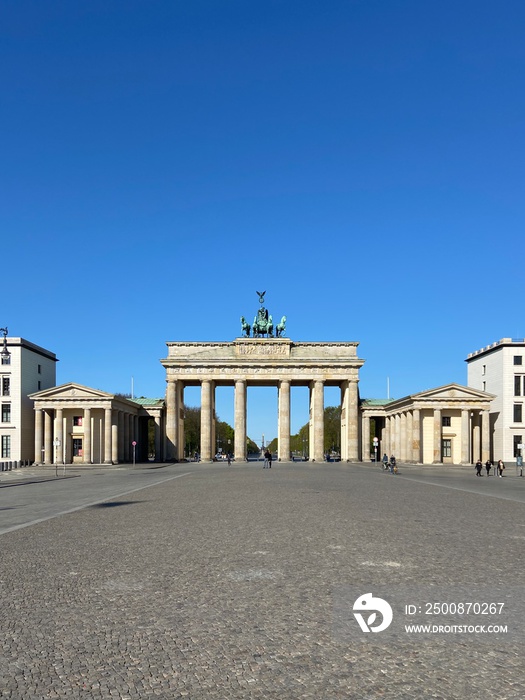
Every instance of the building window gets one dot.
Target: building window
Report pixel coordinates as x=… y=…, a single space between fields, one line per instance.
x=6 y=386
x=484 y=386
x=517 y=441
x=39 y=385
x=445 y=421
x=517 y=386
x=6 y=360
x=483 y=369
x=6 y=413
x=447 y=448
x=517 y=413
x=518 y=360
x=6 y=446
x=77 y=420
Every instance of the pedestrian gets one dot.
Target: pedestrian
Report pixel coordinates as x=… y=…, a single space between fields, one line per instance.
x=501 y=467
x=392 y=464
x=385 y=461
x=269 y=459
x=488 y=465
x=479 y=467
x=265 y=465
x=229 y=459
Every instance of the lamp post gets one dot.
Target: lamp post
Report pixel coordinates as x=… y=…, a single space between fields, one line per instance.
x=5 y=352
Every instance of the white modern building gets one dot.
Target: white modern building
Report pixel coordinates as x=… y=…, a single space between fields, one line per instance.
x=24 y=368
x=500 y=370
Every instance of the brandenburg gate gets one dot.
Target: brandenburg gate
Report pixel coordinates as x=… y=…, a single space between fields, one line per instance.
x=262 y=360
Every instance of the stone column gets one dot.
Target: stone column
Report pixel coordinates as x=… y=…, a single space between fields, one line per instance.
x=476 y=438
x=485 y=436
x=365 y=447
x=410 y=423
x=351 y=411
x=206 y=421
x=172 y=420
x=86 y=455
x=403 y=436
x=239 y=447
x=39 y=435
x=416 y=436
x=437 y=437
x=465 y=437
x=121 y=452
x=387 y=447
x=59 y=435
x=48 y=437
x=393 y=435
x=107 y=435
x=158 y=456
x=115 y=437
x=317 y=421
x=284 y=421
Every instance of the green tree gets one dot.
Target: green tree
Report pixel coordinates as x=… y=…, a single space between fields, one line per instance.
x=192 y=429
x=332 y=428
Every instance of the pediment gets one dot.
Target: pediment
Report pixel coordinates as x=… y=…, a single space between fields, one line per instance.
x=70 y=391
x=456 y=392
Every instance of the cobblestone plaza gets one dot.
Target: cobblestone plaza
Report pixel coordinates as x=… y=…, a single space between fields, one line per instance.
x=208 y=581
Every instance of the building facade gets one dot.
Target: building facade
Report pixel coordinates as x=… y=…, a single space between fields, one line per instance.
x=75 y=424
x=24 y=368
x=445 y=425
x=500 y=369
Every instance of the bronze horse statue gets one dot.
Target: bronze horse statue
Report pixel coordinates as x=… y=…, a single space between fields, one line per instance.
x=281 y=327
x=245 y=327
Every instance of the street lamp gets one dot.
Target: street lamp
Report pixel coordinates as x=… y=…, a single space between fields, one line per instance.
x=5 y=352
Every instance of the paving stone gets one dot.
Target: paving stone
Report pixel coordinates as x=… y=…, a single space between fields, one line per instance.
x=221 y=584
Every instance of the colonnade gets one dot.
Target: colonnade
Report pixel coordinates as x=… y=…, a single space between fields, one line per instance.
x=107 y=435
x=402 y=434
x=175 y=418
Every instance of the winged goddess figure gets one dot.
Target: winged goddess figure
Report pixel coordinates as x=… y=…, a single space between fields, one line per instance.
x=261 y=297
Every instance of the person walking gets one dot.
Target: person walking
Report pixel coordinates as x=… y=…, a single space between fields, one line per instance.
x=479 y=467
x=501 y=467
x=392 y=464
x=488 y=465
x=265 y=465
x=269 y=459
x=385 y=461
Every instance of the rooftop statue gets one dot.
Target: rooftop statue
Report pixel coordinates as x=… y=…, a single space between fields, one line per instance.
x=263 y=323
x=245 y=327
x=281 y=327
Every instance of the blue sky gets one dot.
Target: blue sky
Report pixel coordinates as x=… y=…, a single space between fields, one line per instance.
x=361 y=160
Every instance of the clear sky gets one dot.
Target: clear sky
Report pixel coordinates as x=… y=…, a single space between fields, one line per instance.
x=360 y=160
